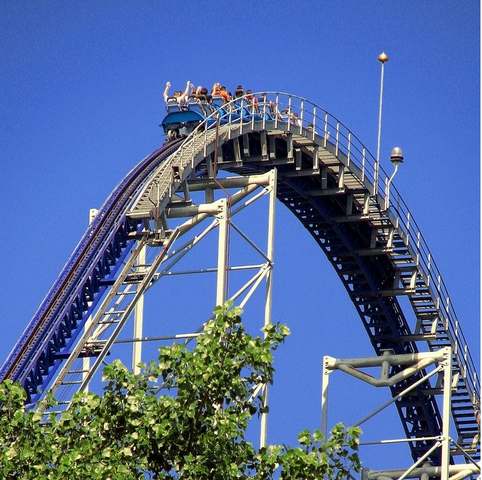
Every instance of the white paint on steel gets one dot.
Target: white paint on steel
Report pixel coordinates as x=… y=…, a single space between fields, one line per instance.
x=223 y=252
x=269 y=292
x=412 y=363
x=86 y=360
x=447 y=393
x=138 y=319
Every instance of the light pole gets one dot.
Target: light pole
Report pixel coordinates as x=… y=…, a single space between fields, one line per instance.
x=382 y=58
x=396 y=157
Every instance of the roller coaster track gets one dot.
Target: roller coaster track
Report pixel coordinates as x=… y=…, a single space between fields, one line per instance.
x=64 y=307
x=328 y=179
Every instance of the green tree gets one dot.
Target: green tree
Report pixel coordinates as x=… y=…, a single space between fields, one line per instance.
x=195 y=430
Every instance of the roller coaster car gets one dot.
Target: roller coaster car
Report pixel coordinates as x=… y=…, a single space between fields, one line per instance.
x=180 y=121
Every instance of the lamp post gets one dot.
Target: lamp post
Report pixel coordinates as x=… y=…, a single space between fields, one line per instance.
x=396 y=157
x=382 y=58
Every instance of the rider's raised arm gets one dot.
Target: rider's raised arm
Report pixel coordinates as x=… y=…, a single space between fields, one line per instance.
x=187 y=91
x=166 y=91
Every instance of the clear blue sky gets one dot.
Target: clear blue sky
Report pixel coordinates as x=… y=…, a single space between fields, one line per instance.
x=80 y=104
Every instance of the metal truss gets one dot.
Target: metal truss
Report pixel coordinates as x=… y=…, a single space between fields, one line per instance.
x=393 y=369
x=154 y=256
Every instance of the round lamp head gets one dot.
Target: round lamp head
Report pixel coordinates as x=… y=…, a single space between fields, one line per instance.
x=383 y=57
x=396 y=156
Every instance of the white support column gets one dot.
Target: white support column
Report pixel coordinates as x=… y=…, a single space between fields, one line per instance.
x=86 y=360
x=223 y=247
x=447 y=393
x=263 y=435
x=138 y=319
x=273 y=182
x=325 y=378
x=270 y=246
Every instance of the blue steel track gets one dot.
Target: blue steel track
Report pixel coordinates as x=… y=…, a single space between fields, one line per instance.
x=60 y=316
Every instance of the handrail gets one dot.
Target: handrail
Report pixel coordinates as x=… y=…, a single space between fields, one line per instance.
x=284 y=107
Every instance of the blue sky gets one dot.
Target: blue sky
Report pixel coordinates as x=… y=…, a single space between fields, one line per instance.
x=80 y=104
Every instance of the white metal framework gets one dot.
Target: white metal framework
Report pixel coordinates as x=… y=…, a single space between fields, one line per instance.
x=405 y=366
x=154 y=256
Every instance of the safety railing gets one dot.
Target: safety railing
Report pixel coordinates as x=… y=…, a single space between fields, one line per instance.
x=297 y=115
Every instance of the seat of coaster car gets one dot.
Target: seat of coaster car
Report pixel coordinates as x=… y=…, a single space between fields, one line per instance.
x=172 y=105
x=201 y=108
x=217 y=102
x=180 y=115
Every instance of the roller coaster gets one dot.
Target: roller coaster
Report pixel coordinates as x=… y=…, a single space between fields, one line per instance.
x=328 y=179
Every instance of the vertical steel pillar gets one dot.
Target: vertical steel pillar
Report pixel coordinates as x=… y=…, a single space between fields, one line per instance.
x=325 y=378
x=222 y=280
x=86 y=360
x=270 y=247
x=263 y=435
x=273 y=182
x=447 y=393
x=138 y=319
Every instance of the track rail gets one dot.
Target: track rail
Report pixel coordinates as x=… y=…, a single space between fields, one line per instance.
x=105 y=236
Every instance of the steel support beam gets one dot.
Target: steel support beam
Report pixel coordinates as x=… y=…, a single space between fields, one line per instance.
x=447 y=392
x=86 y=360
x=229 y=182
x=223 y=252
x=325 y=380
x=138 y=320
x=273 y=181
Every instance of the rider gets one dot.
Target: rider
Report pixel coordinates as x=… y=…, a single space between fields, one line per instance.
x=239 y=92
x=216 y=90
x=179 y=96
x=225 y=94
x=220 y=91
x=252 y=99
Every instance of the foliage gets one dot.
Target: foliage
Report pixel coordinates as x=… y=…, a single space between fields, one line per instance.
x=196 y=430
